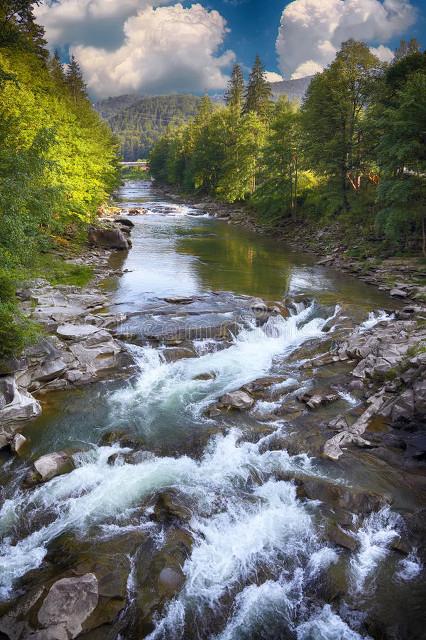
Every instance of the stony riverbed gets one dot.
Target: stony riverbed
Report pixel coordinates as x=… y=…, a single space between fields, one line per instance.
x=227 y=442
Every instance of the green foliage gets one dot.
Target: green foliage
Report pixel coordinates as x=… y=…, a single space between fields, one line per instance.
x=354 y=150
x=58 y=165
x=333 y=117
x=234 y=94
x=139 y=122
x=258 y=93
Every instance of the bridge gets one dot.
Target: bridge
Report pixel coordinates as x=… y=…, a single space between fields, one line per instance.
x=143 y=164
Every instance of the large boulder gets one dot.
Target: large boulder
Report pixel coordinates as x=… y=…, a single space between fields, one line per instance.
x=108 y=238
x=53 y=464
x=16 y=404
x=76 y=331
x=239 y=400
x=67 y=606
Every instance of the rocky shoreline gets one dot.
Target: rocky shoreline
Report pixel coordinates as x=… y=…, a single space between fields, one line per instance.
x=78 y=346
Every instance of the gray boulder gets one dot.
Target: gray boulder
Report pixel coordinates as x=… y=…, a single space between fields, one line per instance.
x=76 y=331
x=16 y=404
x=53 y=464
x=239 y=400
x=67 y=606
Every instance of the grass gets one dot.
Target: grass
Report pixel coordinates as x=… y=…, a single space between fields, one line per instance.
x=57 y=271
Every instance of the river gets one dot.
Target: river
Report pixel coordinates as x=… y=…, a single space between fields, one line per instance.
x=163 y=486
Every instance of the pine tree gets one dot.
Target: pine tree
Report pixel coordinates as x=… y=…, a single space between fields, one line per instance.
x=234 y=94
x=75 y=82
x=18 y=27
x=258 y=92
x=56 y=69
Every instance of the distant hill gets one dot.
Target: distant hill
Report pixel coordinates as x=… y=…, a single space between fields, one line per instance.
x=138 y=121
x=295 y=90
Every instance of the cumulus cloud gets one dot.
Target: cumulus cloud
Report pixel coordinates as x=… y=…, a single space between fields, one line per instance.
x=271 y=76
x=311 y=31
x=144 y=46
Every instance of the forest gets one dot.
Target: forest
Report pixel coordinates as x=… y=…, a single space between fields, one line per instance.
x=58 y=163
x=138 y=122
x=353 y=151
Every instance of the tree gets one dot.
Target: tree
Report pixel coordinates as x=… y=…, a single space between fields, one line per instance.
x=281 y=178
x=258 y=92
x=234 y=94
x=333 y=117
x=407 y=49
x=18 y=27
x=402 y=158
x=56 y=69
x=75 y=82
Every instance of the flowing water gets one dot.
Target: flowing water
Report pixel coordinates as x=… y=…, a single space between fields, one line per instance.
x=255 y=560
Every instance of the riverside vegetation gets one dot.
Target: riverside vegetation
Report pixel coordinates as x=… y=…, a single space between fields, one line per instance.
x=354 y=151
x=58 y=164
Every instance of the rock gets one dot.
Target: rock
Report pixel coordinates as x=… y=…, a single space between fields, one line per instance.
x=356 y=385
x=53 y=464
x=76 y=331
x=50 y=370
x=170 y=505
x=339 y=496
x=16 y=404
x=96 y=358
x=125 y=221
x=67 y=606
x=18 y=442
x=108 y=238
x=170 y=581
x=342 y=538
x=179 y=300
x=419 y=389
x=74 y=375
x=239 y=400
x=403 y=407
x=172 y=354
x=398 y=293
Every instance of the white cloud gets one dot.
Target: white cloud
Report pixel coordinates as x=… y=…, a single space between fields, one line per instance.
x=312 y=31
x=271 y=76
x=151 y=49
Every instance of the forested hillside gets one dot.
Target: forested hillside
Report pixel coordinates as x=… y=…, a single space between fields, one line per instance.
x=58 y=160
x=138 y=122
x=354 y=151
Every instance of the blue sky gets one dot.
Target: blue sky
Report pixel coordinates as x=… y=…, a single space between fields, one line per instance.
x=254 y=26
x=153 y=47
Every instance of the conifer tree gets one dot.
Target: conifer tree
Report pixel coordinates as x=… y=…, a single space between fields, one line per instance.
x=234 y=94
x=258 y=92
x=18 y=27
x=56 y=68
x=75 y=82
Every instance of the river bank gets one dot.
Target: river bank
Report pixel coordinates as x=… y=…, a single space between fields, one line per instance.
x=254 y=470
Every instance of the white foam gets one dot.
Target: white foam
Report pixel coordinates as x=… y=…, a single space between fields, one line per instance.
x=375 y=536
x=409 y=568
x=173 y=386
x=374 y=318
x=96 y=491
x=326 y=625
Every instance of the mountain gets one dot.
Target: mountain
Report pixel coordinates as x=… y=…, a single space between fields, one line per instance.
x=138 y=121
x=295 y=90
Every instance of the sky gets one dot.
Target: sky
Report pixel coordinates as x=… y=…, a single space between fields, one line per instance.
x=154 y=47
